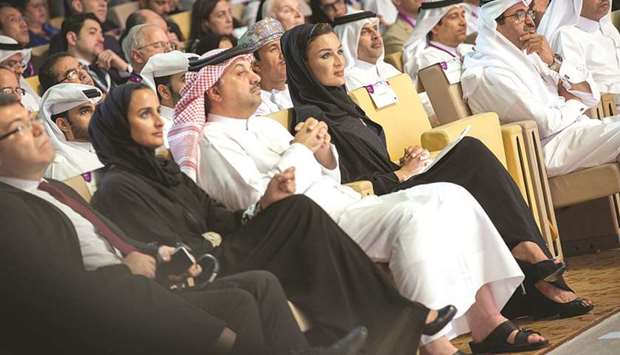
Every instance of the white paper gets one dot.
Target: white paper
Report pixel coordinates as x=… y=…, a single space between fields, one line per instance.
x=610 y=336
x=382 y=94
x=444 y=151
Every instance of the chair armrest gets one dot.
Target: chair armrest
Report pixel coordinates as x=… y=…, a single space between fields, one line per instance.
x=364 y=187
x=484 y=126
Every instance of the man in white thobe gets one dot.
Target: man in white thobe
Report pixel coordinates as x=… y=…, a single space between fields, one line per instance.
x=264 y=38
x=238 y=152
x=66 y=110
x=514 y=73
x=16 y=58
x=362 y=47
x=165 y=74
x=438 y=38
x=581 y=30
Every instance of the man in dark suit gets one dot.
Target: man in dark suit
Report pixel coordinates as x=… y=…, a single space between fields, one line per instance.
x=52 y=305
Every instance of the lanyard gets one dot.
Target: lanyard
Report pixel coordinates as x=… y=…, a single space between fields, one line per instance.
x=441 y=49
x=411 y=21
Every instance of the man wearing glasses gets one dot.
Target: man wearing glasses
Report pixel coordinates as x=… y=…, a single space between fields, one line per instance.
x=143 y=42
x=63 y=68
x=84 y=40
x=515 y=73
x=10 y=84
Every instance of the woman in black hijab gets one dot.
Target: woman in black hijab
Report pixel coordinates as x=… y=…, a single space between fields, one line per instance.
x=316 y=83
x=322 y=270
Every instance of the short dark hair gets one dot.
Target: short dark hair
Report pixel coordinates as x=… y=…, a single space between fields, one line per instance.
x=9 y=99
x=47 y=74
x=162 y=80
x=74 y=23
x=201 y=9
x=4 y=5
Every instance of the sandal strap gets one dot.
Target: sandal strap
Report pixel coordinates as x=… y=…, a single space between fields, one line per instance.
x=522 y=335
x=500 y=333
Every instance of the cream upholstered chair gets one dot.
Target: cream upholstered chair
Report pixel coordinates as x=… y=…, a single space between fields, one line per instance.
x=121 y=12
x=396 y=59
x=285 y=117
x=34 y=83
x=615 y=19
x=549 y=193
x=183 y=19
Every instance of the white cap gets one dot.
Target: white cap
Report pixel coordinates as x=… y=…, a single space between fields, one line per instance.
x=165 y=64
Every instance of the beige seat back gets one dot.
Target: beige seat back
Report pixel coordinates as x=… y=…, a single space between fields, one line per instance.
x=34 y=83
x=396 y=59
x=80 y=186
x=615 y=19
x=122 y=11
x=403 y=122
x=284 y=117
x=57 y=22
x=446 y=98
x=183 y=20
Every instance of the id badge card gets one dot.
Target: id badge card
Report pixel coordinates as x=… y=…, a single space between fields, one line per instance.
x=452 y=70
x=382 y=94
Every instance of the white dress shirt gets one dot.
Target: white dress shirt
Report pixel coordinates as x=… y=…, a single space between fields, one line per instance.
x=363 y=73
x=274 y=101
x=96 y=251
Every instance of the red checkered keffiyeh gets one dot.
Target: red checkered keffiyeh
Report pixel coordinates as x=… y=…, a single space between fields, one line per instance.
x=189 y=113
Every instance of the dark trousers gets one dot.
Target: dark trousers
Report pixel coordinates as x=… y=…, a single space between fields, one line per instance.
x=254 y=306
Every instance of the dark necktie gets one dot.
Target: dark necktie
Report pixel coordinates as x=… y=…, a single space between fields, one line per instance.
x=88 y=214
x=99 y=77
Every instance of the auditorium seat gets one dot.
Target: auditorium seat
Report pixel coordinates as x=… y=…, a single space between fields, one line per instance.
x=34 y=83
x=183 y=20
x=56 y=22
x=121 y=12
x=615 y=19
x=396 y=59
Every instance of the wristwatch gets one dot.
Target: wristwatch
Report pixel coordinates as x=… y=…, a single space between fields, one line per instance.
x=557 y=63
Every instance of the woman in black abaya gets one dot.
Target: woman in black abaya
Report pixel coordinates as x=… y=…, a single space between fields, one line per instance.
x=321 y=269
x=316 y=84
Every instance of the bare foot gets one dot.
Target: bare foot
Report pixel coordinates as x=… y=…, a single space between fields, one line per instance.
x=556 y=294
x=534 y=338
x=432 y=315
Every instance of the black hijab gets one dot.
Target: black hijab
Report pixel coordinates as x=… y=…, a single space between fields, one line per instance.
x=361 y=142
x=110 y=135
x=305 y=89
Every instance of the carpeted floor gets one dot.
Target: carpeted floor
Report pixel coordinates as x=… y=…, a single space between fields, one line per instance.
x=595 y=276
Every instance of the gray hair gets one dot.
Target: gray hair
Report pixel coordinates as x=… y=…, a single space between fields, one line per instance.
x=135 y=39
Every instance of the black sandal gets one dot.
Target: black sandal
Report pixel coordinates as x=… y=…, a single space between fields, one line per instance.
x=546 y=270
x=497 y=341
x=574 y=308
x=444 y=316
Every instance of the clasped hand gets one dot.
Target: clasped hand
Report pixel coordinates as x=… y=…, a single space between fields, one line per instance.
x=414 y=160
x=145 y=265
x=313 y=134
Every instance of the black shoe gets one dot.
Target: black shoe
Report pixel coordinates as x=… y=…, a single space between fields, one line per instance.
x=351 y=344
x=497 y=341
x=546 y=270
x=444 y=316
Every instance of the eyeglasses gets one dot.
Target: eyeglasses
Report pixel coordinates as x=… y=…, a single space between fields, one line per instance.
x=74 y=74
x=520 y=15
x=166 y=46
x=332 y=6
x=13 y=65
x=21 y=128
x=15 y=91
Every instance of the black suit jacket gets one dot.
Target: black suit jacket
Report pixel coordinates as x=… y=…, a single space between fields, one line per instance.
x=51 y=305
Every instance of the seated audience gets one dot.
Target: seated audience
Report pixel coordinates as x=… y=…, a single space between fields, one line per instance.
x=322 y=271
x=362 y=48
x=36 y=15
x=397 y=34
x=84 y=40
x=62 y=67
x=141 y=43
x=438 y=38
x=327 y=10
x=514 y=73
x=66 y=110
x=237 y=153
x=210 y=16
x=97 y=7
x=317 y=89
x=145 y=16
x=269 y=65
x=290 y=13
x=210 y=41
x=161 y=7
x=165 y=74
x=585 y=36
x=13 y=24
x=76 y=295
x=15 y=59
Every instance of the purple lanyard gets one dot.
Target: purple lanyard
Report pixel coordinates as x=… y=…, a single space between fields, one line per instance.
x=441 y=49
x=411 y=21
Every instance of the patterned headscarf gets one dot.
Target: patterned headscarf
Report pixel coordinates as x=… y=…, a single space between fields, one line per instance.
x=190 y=114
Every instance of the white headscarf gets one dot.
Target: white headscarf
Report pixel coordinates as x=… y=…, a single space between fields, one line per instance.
x=349 y=34
x=425 y=22
x=6 y=53
x=562 y=13
x=61 y=98
x=165 y=64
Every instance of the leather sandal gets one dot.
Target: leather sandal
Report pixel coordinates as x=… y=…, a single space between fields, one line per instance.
x=574 y=308
x=497 y=341
x=444 y=316
x=546 y=270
